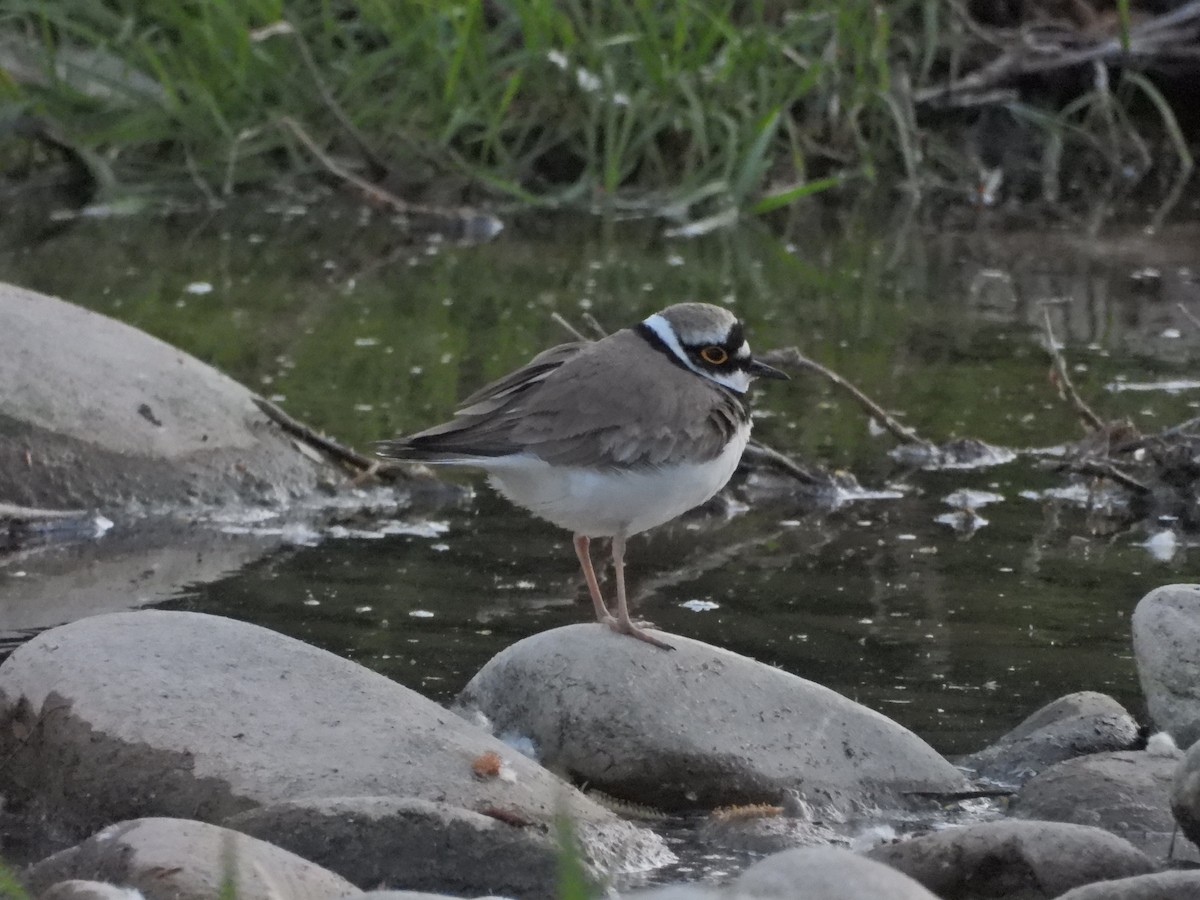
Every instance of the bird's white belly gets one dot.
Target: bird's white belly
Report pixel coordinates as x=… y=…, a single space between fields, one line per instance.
x=601 y=503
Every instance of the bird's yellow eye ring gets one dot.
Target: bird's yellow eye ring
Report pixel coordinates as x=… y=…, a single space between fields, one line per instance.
x=714 y=356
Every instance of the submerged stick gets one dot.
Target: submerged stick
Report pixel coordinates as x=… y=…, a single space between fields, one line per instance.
x=1105 y=469
x=1188 y=314
x=760 y=453
x=792 y=356
x=1090 y=419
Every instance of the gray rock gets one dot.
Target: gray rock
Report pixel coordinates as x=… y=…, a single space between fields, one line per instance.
x=1158 y=886
x=177 y=859
x=1127 y=793
x=411 y=844
x=413 y=895
x=825 y=873
x=78 y=889
x=1185 y=794
x=182 y=714
x=1166 y=643
x=1074 y=725
x=95 y=413
x=1008 y=859
x=696 y=727
x=678 y=892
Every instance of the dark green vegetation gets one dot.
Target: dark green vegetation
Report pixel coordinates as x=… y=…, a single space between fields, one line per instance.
x=693 y=107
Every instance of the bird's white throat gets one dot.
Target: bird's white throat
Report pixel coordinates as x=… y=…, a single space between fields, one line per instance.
x=738 y=380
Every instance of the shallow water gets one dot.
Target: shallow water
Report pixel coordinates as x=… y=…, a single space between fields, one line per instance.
x=365 y=331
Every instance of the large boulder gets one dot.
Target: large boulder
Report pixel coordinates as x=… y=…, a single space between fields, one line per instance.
x=1074 y=725
x=95 y=413
x=1006 y=859
x=1166 y=644
x=411 y=844
x=696 y=727
x=1127 y=793
x=177 y=859
x=158 y=713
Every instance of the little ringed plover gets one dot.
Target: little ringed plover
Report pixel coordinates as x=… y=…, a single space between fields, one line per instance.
x=612 y=437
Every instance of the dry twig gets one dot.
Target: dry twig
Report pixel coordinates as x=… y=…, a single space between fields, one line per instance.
x=471 y=221
x=791 y=356
x=597 y=329
x=1189 y=315
x=569 y=328
x=1089 y=417
x=756 y=452
x=1102 y=468
x=363 y=465
x=368 y=152
x=1168 y=36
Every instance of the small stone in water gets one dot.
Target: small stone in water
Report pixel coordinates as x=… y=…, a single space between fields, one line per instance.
x=700 y=605
x=421 y=614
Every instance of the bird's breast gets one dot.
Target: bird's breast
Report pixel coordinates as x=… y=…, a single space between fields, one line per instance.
x=601 y=502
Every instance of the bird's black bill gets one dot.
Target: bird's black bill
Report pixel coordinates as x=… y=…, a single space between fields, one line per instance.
x=762 y=370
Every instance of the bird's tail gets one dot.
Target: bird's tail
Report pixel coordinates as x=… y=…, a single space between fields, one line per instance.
x=410 y=450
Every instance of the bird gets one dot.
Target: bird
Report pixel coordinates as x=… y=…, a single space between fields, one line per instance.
x=609 y=438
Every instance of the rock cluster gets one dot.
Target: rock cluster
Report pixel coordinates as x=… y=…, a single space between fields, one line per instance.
x=172 y=753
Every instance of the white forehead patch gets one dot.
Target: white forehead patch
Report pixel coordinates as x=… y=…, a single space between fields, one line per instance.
x=742 y=352
x=707 y=336
x=737 y=380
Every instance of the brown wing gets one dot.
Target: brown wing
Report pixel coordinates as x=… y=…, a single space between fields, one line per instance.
x=615 y=402
x=480 y=424
x=620 y=403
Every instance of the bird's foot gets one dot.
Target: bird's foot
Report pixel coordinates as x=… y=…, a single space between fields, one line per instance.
x=632 y=630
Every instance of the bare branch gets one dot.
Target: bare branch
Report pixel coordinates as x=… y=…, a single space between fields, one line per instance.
x=570 y=329
x=364 y=465
x=1166 y=36
x=1189 y=315
x=368 y=152
x=470 y=220
x=1105 y=469
x=1089 y=417
x=791 y=356
x=763 y=455
x=590 y=321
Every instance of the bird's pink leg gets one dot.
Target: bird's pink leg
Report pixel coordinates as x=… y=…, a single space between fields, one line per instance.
x=589 y=575
x=623 y=623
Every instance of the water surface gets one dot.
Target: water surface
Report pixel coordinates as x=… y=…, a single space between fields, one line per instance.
x=364 y=330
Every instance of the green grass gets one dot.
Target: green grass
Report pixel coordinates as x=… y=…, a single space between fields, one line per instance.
x=694 y=105
x=10 y=884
